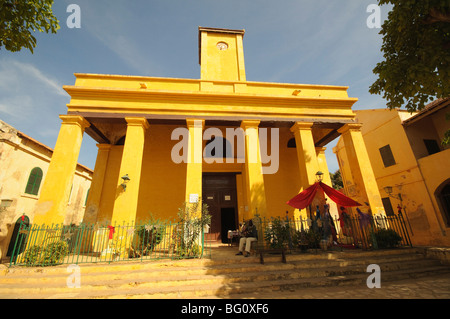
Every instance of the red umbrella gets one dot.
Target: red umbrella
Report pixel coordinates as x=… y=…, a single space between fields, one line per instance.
x=305 y=198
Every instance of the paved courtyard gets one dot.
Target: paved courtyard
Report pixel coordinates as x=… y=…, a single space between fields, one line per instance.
x=422 y=288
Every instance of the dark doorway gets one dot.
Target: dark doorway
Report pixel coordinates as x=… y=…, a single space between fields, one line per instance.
x=444 y=197
x=18 y=240
x=228 y=221
x=219 y=193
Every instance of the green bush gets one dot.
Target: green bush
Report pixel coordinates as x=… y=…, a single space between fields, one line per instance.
x=32 y=255
x=147 y=237
x=309 y=238
x=54 y=253
x=192 y=217
x=276 y=233
x=387 y=238
x=51 y=255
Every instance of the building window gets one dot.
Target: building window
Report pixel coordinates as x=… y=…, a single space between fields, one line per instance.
x=432 y=146
x=87 y=195
x=34 y=181
x=387 y=206
x=387 y=156
x=70 y=195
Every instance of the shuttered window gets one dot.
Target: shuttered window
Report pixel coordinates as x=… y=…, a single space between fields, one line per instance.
x=387 y=156
x=34 y=181
x=387 y=206
x=432 y=146
x=87 y=195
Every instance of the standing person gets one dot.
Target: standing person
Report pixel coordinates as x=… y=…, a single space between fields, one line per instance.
x=250 y=234
x=329 y=219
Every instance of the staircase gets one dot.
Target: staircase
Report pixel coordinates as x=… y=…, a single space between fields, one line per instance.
x=223 y=276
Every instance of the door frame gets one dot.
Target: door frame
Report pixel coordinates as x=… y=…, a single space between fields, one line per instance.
x=220 y=202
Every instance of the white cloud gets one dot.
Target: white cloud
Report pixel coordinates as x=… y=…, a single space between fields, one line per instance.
x=31 y=71
x=29 y=99
x=18 y=77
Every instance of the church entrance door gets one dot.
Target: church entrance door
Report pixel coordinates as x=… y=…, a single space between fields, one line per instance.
x=219 y=193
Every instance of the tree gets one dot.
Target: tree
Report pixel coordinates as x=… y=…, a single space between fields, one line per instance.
x=19 y=18
x=416 y=47
x=336 y=180
x=446 y=139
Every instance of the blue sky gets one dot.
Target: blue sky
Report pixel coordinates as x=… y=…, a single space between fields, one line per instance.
x=302 y=41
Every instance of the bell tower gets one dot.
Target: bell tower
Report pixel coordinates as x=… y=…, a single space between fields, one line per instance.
x=221 y=54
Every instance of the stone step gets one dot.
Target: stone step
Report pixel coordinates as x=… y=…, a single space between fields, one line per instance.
x=251 y=287
x=182 y=264
x=197 y=278
x=170 y=282
x=158 y=269
x=156 y=273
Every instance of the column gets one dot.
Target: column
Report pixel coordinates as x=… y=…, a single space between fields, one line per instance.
x=323 y=167
x=361 y=168
x=54 y=196
x=95 y=191
x=194 y=172
x=125 y=205
x=255 y=190
x=306 y=153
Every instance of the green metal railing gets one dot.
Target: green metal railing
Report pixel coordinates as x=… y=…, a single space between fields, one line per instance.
x=365 y=232
x=38 y=245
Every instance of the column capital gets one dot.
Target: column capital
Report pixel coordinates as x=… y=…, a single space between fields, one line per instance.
x=75 y=119
x=195 y=123
x=301 y=126
x=350 y=127
x=105 y=147
x=137 y=121
x=250 y=123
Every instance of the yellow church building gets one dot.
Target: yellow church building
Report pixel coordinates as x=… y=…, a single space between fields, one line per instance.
x=241 y=147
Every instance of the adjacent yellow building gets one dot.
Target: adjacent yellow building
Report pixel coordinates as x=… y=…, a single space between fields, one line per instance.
x=411 y=167
x=242 y=147
x=24 y=165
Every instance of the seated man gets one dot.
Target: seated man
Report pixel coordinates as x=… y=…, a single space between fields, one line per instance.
x=250 y=234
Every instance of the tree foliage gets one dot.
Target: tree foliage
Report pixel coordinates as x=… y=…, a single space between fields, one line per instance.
x=336 y=180
x=446 y=139
x=19 y=18
x=416 y=47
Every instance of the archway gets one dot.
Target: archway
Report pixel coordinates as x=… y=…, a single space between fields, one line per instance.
x=218 y=147
x=443 y=198
x=18 y=238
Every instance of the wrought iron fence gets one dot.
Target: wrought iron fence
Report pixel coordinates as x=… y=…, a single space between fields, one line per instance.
x=75 y=244
x=365 y=232
x=59 y=244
